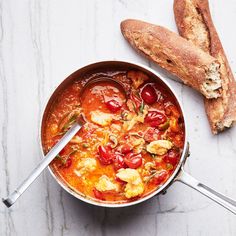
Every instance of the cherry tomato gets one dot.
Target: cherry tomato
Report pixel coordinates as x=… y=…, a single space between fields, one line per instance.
x=113 y=105
x=152 y=134
x=160 y=177
x=155 y=118
x=172 y=157
x=98 y=194
x=126 y=148
x=105 y=156
x=149 y=94
x=62 y=152
x=118 y=161
x=133 y=161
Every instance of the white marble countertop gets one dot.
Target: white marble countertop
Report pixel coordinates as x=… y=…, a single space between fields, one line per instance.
x=42 y=42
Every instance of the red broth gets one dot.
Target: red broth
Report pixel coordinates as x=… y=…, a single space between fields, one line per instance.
x=128 y=147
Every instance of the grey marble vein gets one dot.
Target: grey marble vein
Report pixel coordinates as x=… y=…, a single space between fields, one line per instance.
x=35 y=14
x=9 y=222
x=64 y=226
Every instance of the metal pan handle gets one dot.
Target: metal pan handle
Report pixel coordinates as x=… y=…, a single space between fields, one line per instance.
x=219 y=198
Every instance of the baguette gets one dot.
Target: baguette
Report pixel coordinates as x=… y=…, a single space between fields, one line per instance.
x=175 y=54
x=193 y=19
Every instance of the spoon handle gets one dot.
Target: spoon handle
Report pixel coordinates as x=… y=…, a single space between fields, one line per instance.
x=11 y=199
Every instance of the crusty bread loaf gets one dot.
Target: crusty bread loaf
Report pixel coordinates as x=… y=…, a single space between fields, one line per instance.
x=194 y=22
x=175 y=54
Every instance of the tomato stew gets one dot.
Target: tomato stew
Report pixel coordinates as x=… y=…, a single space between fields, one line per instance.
x=129 y=146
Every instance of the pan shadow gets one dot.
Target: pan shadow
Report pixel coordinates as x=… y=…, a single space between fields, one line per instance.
x=93 y=219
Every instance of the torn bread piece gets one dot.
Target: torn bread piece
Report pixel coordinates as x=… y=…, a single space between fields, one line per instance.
x=194 y=22
x=175 y=54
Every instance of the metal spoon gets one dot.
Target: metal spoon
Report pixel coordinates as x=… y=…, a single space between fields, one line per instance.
x=11 y=199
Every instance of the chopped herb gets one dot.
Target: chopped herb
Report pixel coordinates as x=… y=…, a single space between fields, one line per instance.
x=70 y=122
x=64 y=159
x=165 y=125
x=136 y=93
x=169 y=166
x=153 y=171
x=124 y=115
x=67 y=120
x=60 y=133
x=136 y=135
x=141 y=107
x=151 y=176
x=154 y=156
x=58 y=157
x=85 y=145
x=135 y=108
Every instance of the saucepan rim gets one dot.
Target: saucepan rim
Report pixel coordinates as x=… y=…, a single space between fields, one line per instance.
x=114 y=63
